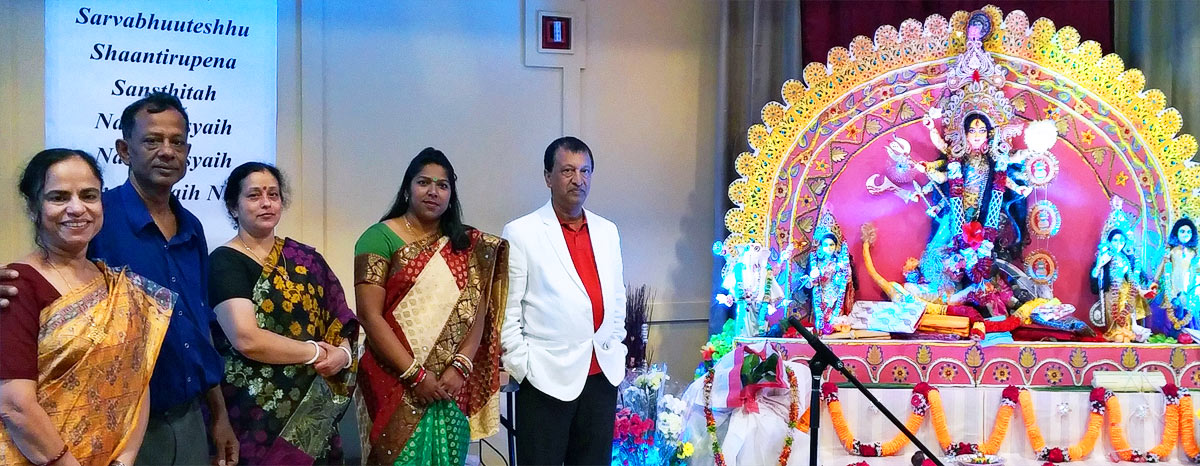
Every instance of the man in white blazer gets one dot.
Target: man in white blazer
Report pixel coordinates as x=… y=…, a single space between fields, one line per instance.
x=564 y=323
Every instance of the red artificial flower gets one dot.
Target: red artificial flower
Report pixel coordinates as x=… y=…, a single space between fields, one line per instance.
x=867 y=450
x=973 y=234
x=1171 y=390
x=791 y=333
x=1098 y=395
x=1011 y=393
x=1185 y=339
x=707 y=353
x=1055 y=455
x=919 y=402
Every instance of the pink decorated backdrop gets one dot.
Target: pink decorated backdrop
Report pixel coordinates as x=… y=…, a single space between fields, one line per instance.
x=1099 y=156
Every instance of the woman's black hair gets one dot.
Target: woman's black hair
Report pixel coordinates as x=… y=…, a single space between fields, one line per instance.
x=1173 y=240
x=451 y=221
x=1105 y=279
x=987 y=122
x=33 y=182
x=233 y=185
x=1115 y=232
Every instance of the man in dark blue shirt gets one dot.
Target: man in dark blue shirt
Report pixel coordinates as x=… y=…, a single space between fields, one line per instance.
x=147 y=229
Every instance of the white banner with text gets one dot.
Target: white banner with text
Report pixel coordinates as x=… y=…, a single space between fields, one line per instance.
x=218 y=56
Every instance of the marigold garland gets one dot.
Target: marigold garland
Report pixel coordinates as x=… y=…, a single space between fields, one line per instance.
x=1079 y=451
x=1187 y=426
x=803 y=424
x=1116 y=433
x=1008 y=403
x=1103 y=403
x=920 y=406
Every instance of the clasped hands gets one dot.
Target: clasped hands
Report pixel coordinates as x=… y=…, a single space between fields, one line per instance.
x=444 y=387
x=331 y=360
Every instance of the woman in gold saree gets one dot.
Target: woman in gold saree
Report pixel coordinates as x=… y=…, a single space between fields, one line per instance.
x=430 y=295
x=80 y=339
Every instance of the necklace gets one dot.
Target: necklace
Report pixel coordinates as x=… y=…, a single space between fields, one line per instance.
x=66 y=283
x=247 y=248
x=412 y=229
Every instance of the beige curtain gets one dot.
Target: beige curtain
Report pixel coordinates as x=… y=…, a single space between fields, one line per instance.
x=1162 y=38
x=759 y=49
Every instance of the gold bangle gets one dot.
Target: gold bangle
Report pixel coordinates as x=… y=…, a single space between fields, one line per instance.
x=466 y=371
x=60 y=456
x=469 y=366
x=411 y=371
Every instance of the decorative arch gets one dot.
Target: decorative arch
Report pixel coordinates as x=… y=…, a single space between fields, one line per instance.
x=812 y=150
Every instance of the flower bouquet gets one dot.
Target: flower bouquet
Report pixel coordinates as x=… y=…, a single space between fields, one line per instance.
x=649 y=424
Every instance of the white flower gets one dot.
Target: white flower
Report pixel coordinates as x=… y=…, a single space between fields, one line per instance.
x=669 y=426
x=1040 y=135
x=651 y=380
x=671 y=404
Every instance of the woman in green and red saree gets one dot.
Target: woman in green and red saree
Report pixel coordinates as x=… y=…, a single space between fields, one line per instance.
x=288 y=333
x=430 y=293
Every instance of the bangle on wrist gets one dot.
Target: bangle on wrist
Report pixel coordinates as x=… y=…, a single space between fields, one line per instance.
x=416 y=379
x=349 y=357
x=316 y=354
x=463 y=372
x=463 y=369
x=56 y=458
x=410 y=371
x=460 y=358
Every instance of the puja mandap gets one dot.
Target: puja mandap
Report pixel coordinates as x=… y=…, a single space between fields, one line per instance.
x=984 y=208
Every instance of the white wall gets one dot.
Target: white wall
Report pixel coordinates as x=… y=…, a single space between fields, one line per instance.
x=399 y=76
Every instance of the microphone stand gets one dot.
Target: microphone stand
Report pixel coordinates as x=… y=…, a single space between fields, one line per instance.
x=822 y=358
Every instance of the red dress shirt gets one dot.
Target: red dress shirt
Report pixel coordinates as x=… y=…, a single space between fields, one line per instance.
x=579 y=244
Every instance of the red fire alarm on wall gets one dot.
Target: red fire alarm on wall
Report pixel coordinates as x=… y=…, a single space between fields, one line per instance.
x=555 y=33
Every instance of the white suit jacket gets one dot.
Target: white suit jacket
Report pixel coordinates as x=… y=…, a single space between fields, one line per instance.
x=548 y=334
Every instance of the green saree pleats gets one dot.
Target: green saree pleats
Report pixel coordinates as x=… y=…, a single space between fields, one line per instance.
x=441 y=438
